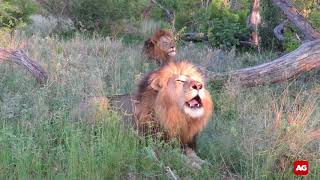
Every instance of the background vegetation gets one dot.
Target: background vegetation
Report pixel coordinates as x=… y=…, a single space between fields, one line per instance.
x=94 y=49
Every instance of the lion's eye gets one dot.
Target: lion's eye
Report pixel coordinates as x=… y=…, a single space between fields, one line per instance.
x=166 y=44
x=180 y=81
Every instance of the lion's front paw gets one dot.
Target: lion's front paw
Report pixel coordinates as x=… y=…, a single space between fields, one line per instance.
x=194 y=160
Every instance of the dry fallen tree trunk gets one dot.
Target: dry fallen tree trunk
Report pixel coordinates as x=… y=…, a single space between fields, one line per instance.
x=18 y=56
x=305 y=58
x=278 y=31
x=194 y=37
x=297 y=19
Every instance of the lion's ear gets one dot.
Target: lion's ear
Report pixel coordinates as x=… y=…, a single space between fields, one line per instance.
x=155 y=84
x=149 y=43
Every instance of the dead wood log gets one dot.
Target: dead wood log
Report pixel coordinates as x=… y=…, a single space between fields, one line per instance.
x=19 y=56
x=254 y=22
x=194 y=36
x=303 y=59
x=278 y=31
x=297 y=19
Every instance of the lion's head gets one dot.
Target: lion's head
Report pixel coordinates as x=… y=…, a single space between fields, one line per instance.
x=174 y=98
x=160 y=47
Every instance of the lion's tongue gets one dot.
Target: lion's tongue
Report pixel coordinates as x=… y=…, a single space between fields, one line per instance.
x=193 y=103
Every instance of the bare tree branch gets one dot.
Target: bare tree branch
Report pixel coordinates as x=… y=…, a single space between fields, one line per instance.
x=279 y=30
x=169 y=14
x=297 y=19
x=194 y=36
x=18 y=56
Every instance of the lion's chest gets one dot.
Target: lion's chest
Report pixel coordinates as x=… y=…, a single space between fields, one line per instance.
x=176 y=124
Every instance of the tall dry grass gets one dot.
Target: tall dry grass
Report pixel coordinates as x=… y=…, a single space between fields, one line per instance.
x=255 y=133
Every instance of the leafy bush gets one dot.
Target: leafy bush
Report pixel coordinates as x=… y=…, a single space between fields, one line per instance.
x=55 y=8
x=226 y=26
x=184 y=11
x=271 y=17
x=14 y=13
x=290 y=41
x=314 y=17
x=102 y=15
x=48 y=25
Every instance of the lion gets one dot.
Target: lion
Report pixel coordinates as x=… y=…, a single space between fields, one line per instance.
x=160 y=47
x=91 y=110
x=173 y=100
x=97 y=108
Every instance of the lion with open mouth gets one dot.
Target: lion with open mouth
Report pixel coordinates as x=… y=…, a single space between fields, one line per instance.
x=173 y=100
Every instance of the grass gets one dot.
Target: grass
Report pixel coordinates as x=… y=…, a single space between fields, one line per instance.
x=256 y=133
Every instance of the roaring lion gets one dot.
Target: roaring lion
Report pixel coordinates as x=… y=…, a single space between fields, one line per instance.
x=173 y=100
x=160 y=47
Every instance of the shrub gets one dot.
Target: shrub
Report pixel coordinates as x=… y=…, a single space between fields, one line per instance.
x=45 y=26
x=226 y=26
x=14 y=13
x=314 y=17
x=101 y=15
x=290 y=41
x=271 y=17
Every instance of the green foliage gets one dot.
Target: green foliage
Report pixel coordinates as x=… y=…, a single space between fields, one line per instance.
x=106 y=16
x=225 y=26
x=314 y=17
x=184 y=11
x=14 y=13
x=271 y=17
x=310 y=10
x=290 y=41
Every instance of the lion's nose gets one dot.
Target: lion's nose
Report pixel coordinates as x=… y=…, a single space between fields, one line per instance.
x=196 y=85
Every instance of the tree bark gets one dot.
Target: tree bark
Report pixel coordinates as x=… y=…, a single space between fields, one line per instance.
x=18 y=56
x=194 y=37
x=254 y=22
x=297 y=19
x=305 y=58
x=278 y=31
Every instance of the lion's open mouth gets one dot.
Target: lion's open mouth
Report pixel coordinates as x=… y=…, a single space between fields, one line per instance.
x=172 y=53
x=194 y=102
